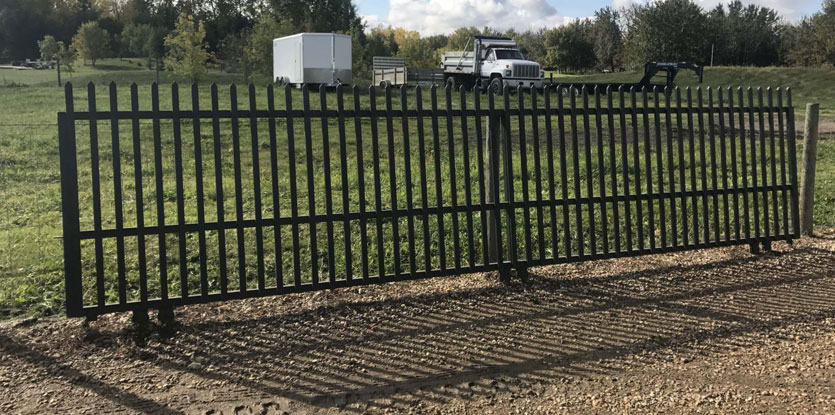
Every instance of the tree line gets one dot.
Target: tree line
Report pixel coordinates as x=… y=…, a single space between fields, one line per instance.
x=237 y=34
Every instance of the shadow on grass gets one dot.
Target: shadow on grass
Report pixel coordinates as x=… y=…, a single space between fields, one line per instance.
x=398 y=353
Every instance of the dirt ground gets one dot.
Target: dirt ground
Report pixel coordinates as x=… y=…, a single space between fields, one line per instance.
x=714 y=331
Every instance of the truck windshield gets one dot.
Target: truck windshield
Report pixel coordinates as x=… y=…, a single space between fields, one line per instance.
x=509 y=54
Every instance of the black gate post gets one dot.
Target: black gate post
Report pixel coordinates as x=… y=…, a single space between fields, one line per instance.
x=494 y=143
x=507 y=154
x=69 y=208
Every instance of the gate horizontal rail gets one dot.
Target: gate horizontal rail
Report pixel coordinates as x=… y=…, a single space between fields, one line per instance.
x=292 y=198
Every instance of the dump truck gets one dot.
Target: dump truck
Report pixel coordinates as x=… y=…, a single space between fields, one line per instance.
x=492 y=64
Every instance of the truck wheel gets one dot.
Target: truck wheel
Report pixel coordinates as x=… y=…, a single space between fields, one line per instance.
x=451 y=83
x=496 y=86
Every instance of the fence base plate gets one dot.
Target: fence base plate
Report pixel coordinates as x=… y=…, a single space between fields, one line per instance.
x=140 y=317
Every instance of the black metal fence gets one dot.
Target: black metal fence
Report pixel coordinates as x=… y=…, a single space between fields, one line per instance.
x=180 y=206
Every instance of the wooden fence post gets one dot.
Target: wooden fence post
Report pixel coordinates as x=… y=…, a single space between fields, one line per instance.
x=810 y=153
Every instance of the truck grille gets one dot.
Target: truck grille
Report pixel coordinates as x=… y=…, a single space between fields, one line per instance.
x=526 y=71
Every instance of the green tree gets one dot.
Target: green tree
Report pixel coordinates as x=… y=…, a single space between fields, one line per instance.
x=318 y=15
x=531 y=43
x=608 y=39
x=49 y=47
x=144 y=40
x=233 y=52
x=824 y=26
x=744 y=35
x=415 y=50
x=187 y=54
x=462 y=38
x=666 y=30
x=570 y=48
x=22 y=24
x=259 y=49
x=50 y=52
x=91 y=42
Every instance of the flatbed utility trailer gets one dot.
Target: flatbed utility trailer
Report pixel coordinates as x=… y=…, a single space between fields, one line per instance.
x=393 y=71
x=651 y=71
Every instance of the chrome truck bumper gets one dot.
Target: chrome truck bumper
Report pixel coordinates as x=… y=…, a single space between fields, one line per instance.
x=525 y=83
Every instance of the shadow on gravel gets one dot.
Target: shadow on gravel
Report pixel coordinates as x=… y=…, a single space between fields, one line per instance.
x=24 y=355
x=406 y=352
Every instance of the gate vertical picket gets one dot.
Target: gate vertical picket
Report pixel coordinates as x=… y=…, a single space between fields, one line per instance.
x=159 y=192
x=117 y=195
x=182 y=249
x=326 y=166
x=256 y=190
x=95 y=183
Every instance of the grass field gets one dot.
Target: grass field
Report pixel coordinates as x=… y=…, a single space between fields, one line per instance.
x=30 y=251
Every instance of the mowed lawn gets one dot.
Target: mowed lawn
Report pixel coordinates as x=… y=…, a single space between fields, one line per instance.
x=30 y=227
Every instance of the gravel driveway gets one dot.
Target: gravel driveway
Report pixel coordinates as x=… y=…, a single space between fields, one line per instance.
x=714 y=331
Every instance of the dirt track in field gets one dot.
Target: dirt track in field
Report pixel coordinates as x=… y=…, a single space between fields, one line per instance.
x=714 y=331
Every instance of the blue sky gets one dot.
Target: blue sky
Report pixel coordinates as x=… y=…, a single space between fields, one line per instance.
x=442 y=16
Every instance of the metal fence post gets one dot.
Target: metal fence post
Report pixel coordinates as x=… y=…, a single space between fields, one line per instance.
x=70 y=212
x=510 y=223
x=810 y=153
x=492 y=233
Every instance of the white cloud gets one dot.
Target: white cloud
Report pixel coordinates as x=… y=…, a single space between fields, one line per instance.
x=371 y=20
x=431 y=17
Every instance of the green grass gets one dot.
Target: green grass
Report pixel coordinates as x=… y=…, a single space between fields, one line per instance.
x=30 y=251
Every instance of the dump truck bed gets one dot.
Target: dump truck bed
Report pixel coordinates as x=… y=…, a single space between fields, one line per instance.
x=458 y=61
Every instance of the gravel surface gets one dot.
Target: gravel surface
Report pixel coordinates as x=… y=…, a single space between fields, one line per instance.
x=713 y=331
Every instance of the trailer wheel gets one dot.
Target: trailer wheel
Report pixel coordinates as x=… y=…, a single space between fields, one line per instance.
x=496 y=86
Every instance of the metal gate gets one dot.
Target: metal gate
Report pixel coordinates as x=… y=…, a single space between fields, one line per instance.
x=180 y=206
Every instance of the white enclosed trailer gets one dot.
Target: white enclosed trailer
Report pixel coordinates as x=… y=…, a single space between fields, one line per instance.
x=312 y=58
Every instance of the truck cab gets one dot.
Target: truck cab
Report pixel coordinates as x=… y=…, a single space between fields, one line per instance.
x=493 y=64
x=511 y=67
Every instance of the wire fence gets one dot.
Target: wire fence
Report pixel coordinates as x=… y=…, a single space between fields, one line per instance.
x=29 y=201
